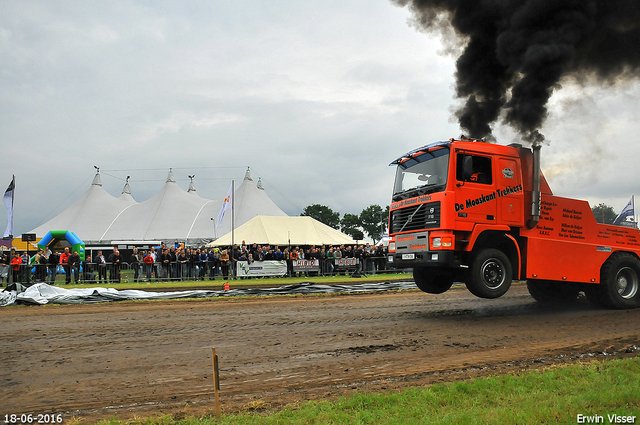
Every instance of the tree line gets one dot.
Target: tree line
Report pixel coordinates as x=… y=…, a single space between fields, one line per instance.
x=604 y=213
x=372 y=221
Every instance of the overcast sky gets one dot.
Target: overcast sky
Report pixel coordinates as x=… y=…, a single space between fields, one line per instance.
x=317 y=98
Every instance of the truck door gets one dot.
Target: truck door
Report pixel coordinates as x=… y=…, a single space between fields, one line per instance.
x=509 y=191
x=475 y=189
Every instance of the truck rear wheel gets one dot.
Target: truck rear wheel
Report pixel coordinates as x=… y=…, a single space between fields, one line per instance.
x=550 y=292
x=490 y=274
x=432 y=281
x=619 y=282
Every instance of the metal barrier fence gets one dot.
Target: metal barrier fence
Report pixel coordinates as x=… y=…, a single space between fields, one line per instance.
x=94 y=273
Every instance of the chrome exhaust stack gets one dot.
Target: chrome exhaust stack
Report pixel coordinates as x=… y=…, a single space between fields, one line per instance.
x=535 y=190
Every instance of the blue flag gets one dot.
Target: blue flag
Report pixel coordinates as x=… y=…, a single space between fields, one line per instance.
x=627 y=211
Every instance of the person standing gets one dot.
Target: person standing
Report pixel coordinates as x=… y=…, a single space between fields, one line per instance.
x=173 y=263
x=166 y=264
x=74 y=266
x=116 y=263
x=36 y=263
x=54 y=260
x=182 y=260
x=154 y=267
x=329 y=261
x=204 y=258
x=25 y=268
x=191 y=267
x=212 y=261
x=224 y=264
x=4 y=264
x=102 y=267
x=16 y=261
x=42 y=266
x=87 y=270
x=337 y=256
x=148 y=264
x=135 y=265
x=64 y=260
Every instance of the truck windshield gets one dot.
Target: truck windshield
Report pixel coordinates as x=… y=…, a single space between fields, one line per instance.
x=425 y=173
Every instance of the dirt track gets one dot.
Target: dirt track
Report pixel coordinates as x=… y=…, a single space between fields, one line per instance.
x=140 y=358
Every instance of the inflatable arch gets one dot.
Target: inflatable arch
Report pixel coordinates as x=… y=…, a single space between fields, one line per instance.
x=55 y=236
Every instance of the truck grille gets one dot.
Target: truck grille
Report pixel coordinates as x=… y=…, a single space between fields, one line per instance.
x=418 y=217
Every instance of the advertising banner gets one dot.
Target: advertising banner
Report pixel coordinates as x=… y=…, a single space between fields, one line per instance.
x=261 y=268
x=347 y=263
x=306 y=265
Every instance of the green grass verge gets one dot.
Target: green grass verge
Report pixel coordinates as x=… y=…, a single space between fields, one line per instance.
x=276 y=281
x=556 y=395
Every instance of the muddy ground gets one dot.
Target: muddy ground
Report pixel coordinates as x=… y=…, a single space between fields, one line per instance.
x=132 y=359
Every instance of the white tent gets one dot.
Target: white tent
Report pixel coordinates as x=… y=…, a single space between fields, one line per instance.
x=94 y=211
x=172 y=215
x=250 y=201
x=266 y=230
x=167 y=216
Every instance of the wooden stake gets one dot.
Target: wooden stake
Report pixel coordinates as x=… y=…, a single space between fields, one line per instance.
x=216 y=380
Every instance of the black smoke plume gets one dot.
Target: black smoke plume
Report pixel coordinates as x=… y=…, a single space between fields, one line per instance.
x=518 y=51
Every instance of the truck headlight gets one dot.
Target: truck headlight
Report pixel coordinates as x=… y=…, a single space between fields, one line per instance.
x=392 y=247
x=441 y=242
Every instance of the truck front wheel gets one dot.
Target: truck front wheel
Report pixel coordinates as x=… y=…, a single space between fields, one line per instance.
x=432 y=281
x=490 y=274
x=620 y=282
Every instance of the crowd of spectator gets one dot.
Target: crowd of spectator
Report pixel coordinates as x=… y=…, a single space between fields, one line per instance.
x=179 y=263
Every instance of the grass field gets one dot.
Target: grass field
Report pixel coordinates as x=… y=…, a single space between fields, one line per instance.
x=556 y=395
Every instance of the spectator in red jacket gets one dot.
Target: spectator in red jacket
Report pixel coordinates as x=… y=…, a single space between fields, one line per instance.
x=64 y=260
x=16 y=261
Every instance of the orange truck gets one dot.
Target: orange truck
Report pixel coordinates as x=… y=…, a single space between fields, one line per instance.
x=483 y=214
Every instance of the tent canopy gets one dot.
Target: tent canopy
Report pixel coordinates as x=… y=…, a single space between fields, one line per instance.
x=270 y=230
x=172 y=215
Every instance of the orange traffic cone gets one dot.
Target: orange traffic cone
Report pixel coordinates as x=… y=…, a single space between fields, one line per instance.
x=226 y=286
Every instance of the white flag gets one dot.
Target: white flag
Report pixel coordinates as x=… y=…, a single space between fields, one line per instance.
x=8 y=201
x=225 y=205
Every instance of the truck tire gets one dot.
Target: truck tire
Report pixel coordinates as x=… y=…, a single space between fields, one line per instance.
x=490 y=274
x=619 y=282
x=550 y=292
x=432 y=281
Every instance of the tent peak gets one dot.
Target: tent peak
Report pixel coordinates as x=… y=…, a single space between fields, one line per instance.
x=192 y=187
x=259 y=185
x=170 y=178
x=126 y=189
x=247 y=175
x=96 y=180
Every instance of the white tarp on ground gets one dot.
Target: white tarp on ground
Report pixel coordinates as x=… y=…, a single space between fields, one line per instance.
x=42 y=293
x=283 y=231
x=172 y=215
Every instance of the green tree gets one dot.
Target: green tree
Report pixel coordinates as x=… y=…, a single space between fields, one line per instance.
x=350 y=224
x=374 y=221
x=323 y=214
x=604 y=213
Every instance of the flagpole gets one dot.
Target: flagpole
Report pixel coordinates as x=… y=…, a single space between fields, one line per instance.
x=233 y=226
x=633 y=211
x=10 y=225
